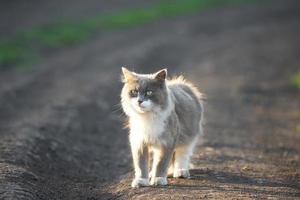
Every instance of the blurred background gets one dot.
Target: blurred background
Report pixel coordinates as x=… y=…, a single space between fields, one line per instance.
x=61 y=124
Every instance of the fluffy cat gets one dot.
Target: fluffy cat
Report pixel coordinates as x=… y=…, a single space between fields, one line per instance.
x=165 y=118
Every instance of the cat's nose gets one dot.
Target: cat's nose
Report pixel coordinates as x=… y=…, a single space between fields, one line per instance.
x=140 y=101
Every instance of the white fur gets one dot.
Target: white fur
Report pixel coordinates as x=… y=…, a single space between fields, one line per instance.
x=182 y=159
x=140 y=182
x=181 y=173
x=147 y=126
x=145 y=106
x=145 y=129
x=159 y=181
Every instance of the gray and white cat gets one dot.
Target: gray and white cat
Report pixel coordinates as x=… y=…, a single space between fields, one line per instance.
x=165 y=118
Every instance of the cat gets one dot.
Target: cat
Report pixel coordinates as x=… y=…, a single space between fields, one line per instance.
x=165 y=118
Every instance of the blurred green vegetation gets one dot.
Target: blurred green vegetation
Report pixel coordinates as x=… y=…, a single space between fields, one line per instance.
x=25 y=47
x=295 y=80
x=298 y=128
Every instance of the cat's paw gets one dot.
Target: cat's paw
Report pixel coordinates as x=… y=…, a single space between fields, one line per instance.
x=181 y=173
x=170 y=172
x=150 y=174
x=159 y=181
x=140 y=182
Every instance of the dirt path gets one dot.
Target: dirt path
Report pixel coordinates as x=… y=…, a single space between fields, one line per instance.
x=60 y=126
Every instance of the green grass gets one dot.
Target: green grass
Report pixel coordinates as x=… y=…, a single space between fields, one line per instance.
x=295 y=80
x=27 y=45
x=298 y=128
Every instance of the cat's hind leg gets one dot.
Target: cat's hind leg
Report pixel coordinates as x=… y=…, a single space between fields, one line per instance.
x=171 y=167
x=182 y=160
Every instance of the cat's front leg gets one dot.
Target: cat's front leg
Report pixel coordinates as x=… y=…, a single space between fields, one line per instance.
x=161 y=160
x=182 y=159
x=140 y=161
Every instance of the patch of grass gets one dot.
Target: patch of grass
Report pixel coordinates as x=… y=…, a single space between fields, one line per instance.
x=298 y=128
x=295 y=80
x=10 y=52
x=17 y=49
x=53 y=36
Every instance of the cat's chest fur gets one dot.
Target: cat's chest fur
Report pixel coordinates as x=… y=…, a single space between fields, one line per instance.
x=147 y=129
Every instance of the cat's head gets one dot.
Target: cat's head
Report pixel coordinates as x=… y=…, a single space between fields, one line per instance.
x=144 y=93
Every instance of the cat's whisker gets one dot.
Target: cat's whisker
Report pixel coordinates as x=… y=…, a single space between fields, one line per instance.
x=117 y=107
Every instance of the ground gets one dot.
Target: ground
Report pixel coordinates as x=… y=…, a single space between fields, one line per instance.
x=61 y=122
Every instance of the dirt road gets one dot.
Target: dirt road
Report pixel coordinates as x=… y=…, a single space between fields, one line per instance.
x=61 y=124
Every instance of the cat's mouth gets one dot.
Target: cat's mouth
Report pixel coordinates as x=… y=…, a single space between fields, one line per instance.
x=142 y=108
x=143 y=105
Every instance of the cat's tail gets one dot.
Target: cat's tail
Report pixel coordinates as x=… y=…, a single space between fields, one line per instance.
x=202 y=98
x=202 y=121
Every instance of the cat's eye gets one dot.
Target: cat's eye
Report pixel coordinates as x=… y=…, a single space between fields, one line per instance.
x=133 y=93
x=149 y=93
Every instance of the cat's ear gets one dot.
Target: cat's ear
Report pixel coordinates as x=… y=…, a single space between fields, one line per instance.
x=127 y=75
x=161 y=75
